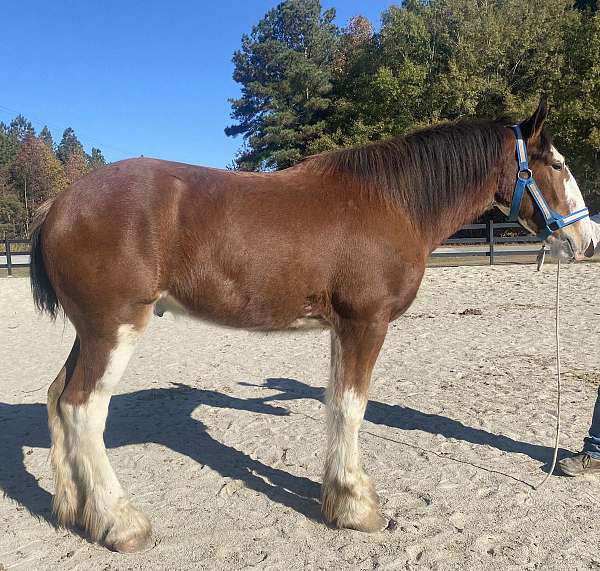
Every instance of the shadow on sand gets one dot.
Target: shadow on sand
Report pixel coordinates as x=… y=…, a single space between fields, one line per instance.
x=151 y=416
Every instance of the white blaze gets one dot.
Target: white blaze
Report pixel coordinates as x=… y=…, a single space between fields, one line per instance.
x=581 y=232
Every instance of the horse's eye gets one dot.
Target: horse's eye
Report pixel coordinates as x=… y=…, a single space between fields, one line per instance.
x=557 y=166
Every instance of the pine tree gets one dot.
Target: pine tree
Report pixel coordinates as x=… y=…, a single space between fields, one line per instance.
x=96 y=159
x=31 y=173
x=8 y=147
x=68 y=145
x=284 y=67
x=20 y=129
x=46 y=136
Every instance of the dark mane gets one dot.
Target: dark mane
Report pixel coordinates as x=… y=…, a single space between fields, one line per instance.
x=425 y=171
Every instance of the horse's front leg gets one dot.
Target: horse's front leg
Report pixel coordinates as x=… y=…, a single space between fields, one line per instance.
x=348 y=495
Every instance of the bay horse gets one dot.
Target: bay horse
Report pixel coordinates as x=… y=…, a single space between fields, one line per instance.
x=338 y=241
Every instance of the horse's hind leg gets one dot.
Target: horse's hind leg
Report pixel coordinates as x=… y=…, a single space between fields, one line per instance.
x=88 y=491
x=65 y=501
x=348 y=495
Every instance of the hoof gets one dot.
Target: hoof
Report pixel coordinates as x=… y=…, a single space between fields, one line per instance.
x=130 y=533
x=373 y=523
x=129 y=545
x=353 y=508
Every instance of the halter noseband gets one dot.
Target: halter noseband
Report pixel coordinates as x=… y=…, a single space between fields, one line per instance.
x=525 y=181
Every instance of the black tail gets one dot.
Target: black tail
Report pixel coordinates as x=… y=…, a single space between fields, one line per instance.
x=44 y=295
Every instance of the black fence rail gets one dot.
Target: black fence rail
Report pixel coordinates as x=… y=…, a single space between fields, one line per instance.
x=11 y=258
x=521 y=243
x=483 y=245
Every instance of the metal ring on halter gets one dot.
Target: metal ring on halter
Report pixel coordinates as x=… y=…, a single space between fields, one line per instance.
x=527 y=172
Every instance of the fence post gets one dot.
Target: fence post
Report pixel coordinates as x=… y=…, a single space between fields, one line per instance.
x=491 y=240
x=8 y=255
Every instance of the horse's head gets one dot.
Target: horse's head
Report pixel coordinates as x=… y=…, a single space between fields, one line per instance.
x=543 y=194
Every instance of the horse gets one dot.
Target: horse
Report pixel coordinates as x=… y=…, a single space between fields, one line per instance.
x=338 y=241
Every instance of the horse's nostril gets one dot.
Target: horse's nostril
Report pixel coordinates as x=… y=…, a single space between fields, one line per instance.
x=590 y=250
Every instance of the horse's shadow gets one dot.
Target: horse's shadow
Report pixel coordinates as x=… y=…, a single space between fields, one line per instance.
x=163 y=416
x=406 y=418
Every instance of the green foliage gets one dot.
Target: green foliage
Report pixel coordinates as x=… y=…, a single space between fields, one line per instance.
x=12 y=215
x=20 y=129
x=285 y=69
x=431 y=61
x=576 y=121
x=96 y=159
x=46 y=136
x=68 y=145
x=8 y=147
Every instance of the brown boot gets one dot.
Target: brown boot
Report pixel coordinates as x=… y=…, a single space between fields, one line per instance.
x=579 y=465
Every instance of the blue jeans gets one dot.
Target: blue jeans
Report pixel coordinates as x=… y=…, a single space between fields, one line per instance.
x=591 y=443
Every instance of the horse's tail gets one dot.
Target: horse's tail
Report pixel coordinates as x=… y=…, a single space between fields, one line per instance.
x=43 y=292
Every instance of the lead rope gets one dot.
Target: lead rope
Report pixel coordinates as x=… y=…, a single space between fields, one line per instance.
x=558 y=383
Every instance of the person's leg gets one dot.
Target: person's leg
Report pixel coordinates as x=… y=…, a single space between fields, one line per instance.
x=588 y=460
x=591 y=443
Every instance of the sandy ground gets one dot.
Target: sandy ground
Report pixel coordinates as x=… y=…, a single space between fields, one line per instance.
x=219 y=434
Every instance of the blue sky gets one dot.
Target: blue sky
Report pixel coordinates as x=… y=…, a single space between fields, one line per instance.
x=133 y=77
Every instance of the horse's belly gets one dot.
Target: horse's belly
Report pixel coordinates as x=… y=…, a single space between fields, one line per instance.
x=167 y=303
x=307 y=324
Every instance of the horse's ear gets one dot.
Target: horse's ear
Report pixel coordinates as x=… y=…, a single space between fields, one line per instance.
x=532 y=127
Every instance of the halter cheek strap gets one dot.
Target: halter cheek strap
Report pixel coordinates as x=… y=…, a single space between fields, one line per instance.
x=525 y=182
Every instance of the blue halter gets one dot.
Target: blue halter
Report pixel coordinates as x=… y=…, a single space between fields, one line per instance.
x=525 y=181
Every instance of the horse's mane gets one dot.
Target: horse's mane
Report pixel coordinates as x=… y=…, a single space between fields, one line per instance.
x=425 y=171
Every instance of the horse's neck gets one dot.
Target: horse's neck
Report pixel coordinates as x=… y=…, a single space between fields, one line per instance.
x=473 y=204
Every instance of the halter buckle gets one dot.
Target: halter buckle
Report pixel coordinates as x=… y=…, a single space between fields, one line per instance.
x=553 y=225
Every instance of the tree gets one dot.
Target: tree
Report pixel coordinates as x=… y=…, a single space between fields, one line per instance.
x=576 y=98
x=284 y=67
x=20 y=129
x=96 y=159
x=8 y=147
x=76 y=166
x=31 y=173
x=382 y=87
x=68 y=145
x=46 y=136
x=13 y=218
x=355 y=63
x=37 y=174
